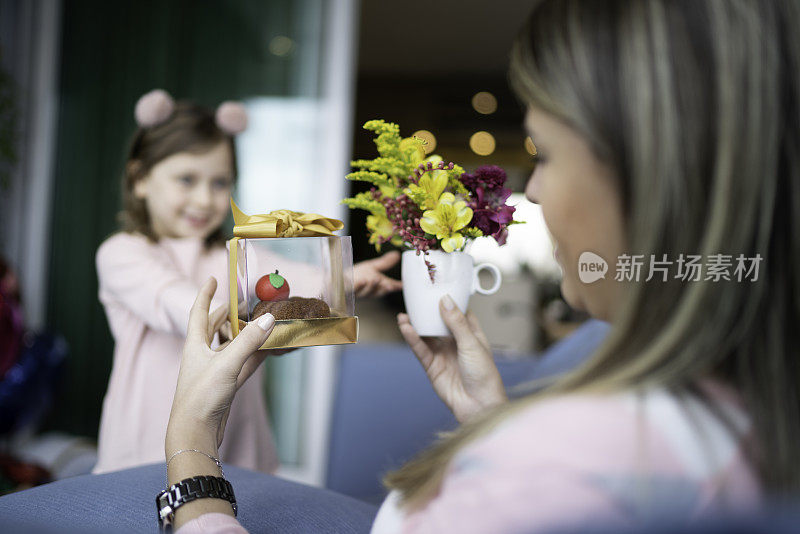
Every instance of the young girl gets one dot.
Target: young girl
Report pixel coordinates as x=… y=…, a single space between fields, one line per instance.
x=179 y=175
x=665 y=129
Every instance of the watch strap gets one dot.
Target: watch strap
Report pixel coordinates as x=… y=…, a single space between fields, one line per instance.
x=190 y=489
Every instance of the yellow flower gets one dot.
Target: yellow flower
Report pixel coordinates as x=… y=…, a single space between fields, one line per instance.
x=380 y=229
x=445 y=221
x=413 y=149
x=435 y=159
x=427 y=191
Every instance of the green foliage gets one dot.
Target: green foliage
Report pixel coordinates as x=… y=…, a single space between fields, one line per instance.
x=364 y=201
x=398 y=157
x=453 y=181
x=389 y=166
x=377 y=179
x=472 y=232
x=388 y=140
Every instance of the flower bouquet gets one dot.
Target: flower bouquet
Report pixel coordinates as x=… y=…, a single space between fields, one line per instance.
x=432 y=209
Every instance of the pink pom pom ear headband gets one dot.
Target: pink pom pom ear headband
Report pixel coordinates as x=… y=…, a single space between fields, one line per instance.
x=157 y=106
x=231 y=117
x=153 y=108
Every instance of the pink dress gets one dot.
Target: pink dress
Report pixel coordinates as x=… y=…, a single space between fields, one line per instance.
x=147 y=290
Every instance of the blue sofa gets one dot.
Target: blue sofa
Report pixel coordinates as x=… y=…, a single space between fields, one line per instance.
x=124 y=501
x=384 y=412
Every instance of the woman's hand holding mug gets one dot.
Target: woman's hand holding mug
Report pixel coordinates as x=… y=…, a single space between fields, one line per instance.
x=461 y=369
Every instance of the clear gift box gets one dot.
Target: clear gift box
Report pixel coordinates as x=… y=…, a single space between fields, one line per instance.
x=318 y=308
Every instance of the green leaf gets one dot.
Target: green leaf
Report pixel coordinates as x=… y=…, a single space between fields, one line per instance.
x=276 y=280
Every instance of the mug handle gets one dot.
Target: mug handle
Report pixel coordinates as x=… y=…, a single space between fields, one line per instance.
x=476 y=284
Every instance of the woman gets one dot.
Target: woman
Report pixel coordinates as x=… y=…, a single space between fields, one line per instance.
x=666 y=130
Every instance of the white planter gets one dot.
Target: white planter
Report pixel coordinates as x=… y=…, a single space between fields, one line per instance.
x=455 y=275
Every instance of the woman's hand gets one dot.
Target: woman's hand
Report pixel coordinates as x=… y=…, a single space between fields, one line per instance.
x=209 y=379
x=207 y=382
x=368 y=277
x=225 y=333
x=461 y=369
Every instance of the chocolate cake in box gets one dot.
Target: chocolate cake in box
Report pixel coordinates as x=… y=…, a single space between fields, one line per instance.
x=291 y=264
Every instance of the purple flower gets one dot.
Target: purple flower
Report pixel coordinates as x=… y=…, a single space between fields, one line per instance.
x=491 y=215
x=494 y=222
x=489 y=177
x=493 y=199
x=488 y=196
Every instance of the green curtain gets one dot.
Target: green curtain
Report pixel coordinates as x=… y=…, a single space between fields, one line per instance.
x=112 y=53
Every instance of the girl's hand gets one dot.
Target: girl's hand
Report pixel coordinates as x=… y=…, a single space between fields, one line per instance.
x=209 y=379
x=461 y=369
x=368 y=277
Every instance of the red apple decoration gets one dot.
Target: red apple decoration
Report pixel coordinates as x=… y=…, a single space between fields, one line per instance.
x=272 y=287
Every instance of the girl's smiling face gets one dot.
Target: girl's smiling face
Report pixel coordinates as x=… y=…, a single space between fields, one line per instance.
x=187 y=194
x=582 y=209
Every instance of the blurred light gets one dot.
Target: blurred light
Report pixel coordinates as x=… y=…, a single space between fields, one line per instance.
x=429 y=138
x=484 y=103
x=529 y=146
x=482 y=143
x=280 y=45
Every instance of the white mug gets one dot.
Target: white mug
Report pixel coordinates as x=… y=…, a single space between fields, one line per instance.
x=454 y=274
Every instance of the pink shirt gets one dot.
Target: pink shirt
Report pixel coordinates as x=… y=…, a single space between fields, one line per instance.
x=623 y=459
x=147 y=290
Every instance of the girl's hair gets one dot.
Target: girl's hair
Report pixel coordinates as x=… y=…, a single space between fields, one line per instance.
x=190 y=128
x=696 y=105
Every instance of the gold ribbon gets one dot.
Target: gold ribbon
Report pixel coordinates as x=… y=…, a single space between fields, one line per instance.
x=279 y=223
x=283 y=223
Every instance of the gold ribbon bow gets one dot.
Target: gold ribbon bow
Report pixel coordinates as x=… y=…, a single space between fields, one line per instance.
x=282 y=223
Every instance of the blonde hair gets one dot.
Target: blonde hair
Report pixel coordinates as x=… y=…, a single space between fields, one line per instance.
x=696 y=105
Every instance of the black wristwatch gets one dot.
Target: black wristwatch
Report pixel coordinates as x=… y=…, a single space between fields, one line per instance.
x=188 y=490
